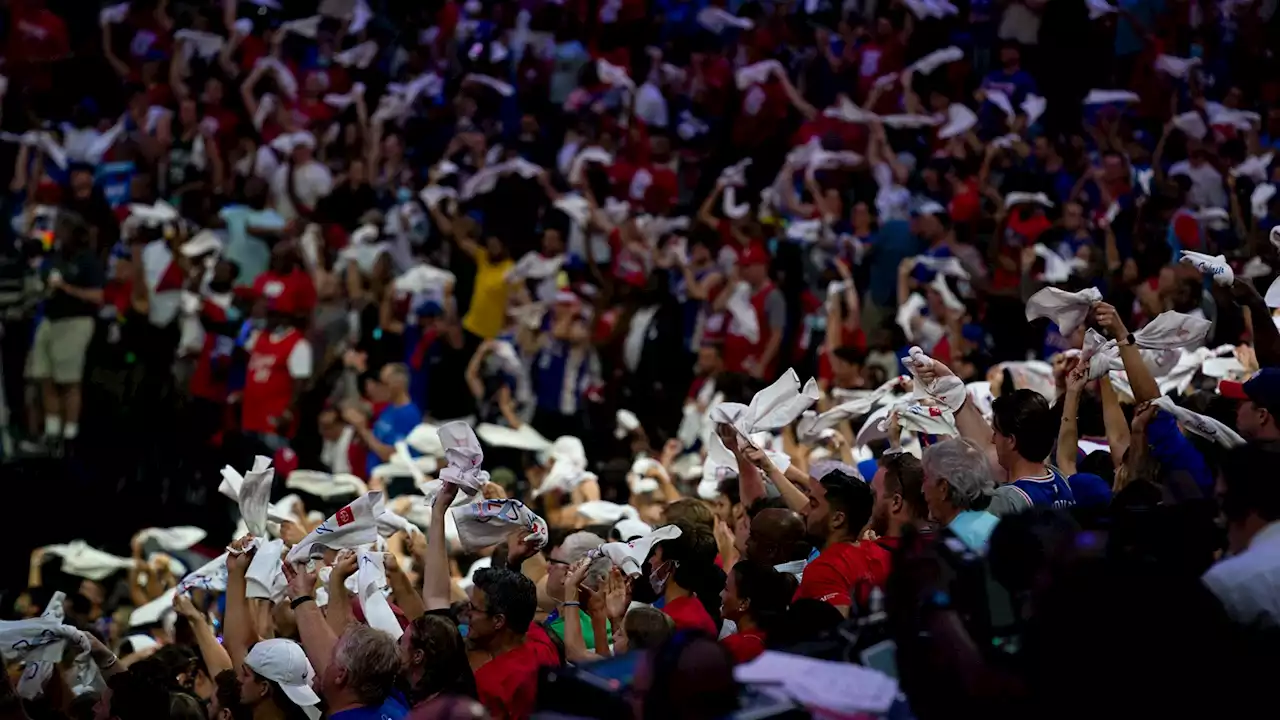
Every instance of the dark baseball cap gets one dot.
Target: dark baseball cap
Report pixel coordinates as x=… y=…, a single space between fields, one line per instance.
x=1263 y=389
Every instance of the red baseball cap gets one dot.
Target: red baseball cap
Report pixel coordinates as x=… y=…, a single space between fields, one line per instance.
x=753 y=255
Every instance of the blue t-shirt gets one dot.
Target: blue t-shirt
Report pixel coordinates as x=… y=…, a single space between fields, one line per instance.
x=393 y=425
x=391 y=709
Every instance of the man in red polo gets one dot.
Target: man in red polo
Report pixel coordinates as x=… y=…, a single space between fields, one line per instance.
x=756 y=356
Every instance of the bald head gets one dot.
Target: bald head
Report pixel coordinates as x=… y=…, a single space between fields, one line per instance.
x=777 y=536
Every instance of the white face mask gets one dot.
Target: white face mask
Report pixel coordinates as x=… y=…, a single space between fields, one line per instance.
x=659 y=576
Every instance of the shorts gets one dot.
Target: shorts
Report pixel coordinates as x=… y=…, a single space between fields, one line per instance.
x=59 y=350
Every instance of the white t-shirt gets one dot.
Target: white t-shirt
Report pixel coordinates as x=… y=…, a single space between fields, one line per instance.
x=1207 y=190
x=313 y=182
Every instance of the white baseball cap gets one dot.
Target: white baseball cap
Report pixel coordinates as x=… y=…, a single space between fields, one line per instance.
x=285 y=663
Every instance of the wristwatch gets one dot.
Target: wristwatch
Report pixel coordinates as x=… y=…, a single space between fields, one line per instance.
x=1130 y=340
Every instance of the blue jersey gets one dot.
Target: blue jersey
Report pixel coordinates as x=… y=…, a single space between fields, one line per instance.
x=1048 y=490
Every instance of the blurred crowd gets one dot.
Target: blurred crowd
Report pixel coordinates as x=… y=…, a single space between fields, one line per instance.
x=610 y=358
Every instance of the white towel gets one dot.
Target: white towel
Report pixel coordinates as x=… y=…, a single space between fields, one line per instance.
x=717 y=20
x=175 y=539
x=603 y=512
x=960 y=120
x=591 y=154
x=462 y=451
x=1254 y=167
x=1100 y=8
x=1172 y=330
x=638 y=478
x=201 y=44
x=757 y=73
x=1201 y=425
x=630 y=556
x=526 y=438
x=423 y=279
x=252 y=492
x=1106 y=97
x=210 y=576
x=1057 y=269
x=1192 y=124
x=352 y=526
x=949 y=265
x=359 y=56
x=925 y=419
x=1214 y=266
x=1034 y=106
x=930 y=382
x=1175 y=67
x=772 y=408
x=1000 y=100
x=41 y=642
x=488 y=522
x=1067 y=310
x=937 y=59
x=390 y=523
x=324 y=485
x=1027 y=198
x=742 y=316
x=535 y=266
x=81 y=560
x=265 y=577
x=152 y=612
x=342 y=101
x=811 y=425
x=493 y=83
x=306 y=27
x=613 y=75
x=371 y=578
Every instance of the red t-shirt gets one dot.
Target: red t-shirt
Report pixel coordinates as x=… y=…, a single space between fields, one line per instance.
x=37 y=37
x=1018 y=234
x=835 y=574
x=688 y=614
x=744 y=647
x=293 y=292
x=763 y=110
x=508 y=684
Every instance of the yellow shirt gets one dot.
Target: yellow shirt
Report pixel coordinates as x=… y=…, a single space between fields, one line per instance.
x=488 y=311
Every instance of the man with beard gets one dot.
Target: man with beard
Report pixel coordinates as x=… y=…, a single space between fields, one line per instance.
x=898 y=492
x=839 y=507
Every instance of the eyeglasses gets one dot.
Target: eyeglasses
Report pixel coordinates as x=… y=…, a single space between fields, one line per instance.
x=470 y=608
x=553 y=561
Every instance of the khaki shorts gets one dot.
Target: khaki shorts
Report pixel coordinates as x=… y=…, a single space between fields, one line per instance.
x=59 y=349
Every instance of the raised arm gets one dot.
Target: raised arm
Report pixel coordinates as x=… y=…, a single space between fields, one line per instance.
x=318 y=639
x=1140 y=378
x=237 y=627
x=1068 y=432
x=435 y=574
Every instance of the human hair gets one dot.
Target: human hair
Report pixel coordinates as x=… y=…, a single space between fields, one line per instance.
x=849 y=495
x=227 y=691
x=768 y=591
x=692 y=678
x=728 y=487
x=964 y=469
x=1248 y=491
x=445 y=670
x=577 y=545
x=511 y=595
x=399 y=371
x=183 y=706
x=690 y=511
x=372 y=662
x=1025 y=416
x=647 y=627
x=693 y=555
x=135 y=696
x=904 y=475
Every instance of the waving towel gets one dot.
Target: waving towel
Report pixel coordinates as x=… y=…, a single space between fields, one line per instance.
x=717 y=20
x=960 y=120
x=81 y=560
x=41 y=643
x=923 y=419
x=812 y=424
x=1201 y=425
x=252 y=492
x=1067 y=310
x=489 y=522
x=569 y=468
x=352 y=526
x=462 y=452
x=946 y=389
x=174 y=539
x=265 y=578
x=772 y=408
x=603 y=512
x=949 y=265
x=1172 y=330
x=742 y=317
x=757 y=74
x=371 y=578
x=1215 y=266
x=629 y=556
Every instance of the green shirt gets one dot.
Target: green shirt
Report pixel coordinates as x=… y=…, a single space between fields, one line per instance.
x=588 y=635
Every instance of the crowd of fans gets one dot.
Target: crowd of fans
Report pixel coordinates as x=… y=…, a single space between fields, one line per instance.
x=672 y=359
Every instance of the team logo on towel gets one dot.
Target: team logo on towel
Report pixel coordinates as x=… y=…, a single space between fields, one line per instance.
x=345 y=516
